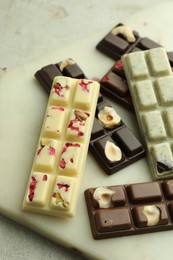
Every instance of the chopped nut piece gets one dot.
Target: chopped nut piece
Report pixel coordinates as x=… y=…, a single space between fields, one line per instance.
x=104 y=197
x=66 y=204
x=66 y=63
x=152 y=214
x=125 y=31
x=80 y=115
x=108 y=117
x=112 y=152
x=61 y=201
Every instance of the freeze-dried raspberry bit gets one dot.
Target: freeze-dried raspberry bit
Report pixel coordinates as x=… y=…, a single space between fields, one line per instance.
x=84 y=84
x=63 y=185
x=119 y=65
x=32 y=188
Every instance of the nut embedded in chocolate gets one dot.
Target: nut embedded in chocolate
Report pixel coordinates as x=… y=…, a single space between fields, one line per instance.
x=104 y=197
x=125 y=31
x=112 y=152
x=150 y=210
x=65 y=63
x=152 y=213
x=80 y=115
x=108 y=117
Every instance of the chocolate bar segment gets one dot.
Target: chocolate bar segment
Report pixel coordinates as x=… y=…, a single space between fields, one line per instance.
x=127 y=144
x=46 y=75
x=59 y=161
x=114 y=83
x=122 y=40
x=68 y=67
x=150 y=80
x=143 y=208
x=71 y=69
x=112 y=143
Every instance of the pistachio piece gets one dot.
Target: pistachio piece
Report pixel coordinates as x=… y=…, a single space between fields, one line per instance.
x=59 y=200
x=152 y=214
x=66 y=204
x=113 y=152
x=125 y=31
x=80 y=115
x=66 y=63
x=104 y=197
x=108 y=117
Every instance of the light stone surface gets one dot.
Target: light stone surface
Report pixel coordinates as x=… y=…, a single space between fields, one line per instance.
x=28 y=30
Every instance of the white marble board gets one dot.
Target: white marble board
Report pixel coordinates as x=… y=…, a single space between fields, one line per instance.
x=22 y=107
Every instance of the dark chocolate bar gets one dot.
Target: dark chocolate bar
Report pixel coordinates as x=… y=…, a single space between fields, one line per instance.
x=106 y=133
x=114 y=85
x=131 y=209
x=112 y=143
x=67 y=68
x=115 y=44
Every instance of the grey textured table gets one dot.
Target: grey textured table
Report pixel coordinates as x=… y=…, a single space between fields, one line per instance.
x=28 y=30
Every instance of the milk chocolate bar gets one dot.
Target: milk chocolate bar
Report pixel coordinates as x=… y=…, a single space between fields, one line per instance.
x=112 y=143
x=132 y=209
x=55 y=178
x=150 y=80
x=119 y=41
x=68 y=68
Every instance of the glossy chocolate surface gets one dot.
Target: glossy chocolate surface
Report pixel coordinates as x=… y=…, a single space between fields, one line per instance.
x=115 y=46
x=46 y=74
x=150 y=80
x=120 y=135
x=114 y=83
x=126 y=215
x=132 y=150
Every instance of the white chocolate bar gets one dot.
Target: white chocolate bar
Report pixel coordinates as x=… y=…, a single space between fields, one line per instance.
x=150 y=79
x=55 y=178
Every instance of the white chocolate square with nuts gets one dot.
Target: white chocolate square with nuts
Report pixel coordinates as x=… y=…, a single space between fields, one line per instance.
x=63 y=193
x=78 y=125
x=46 y=155
x=71 y=158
